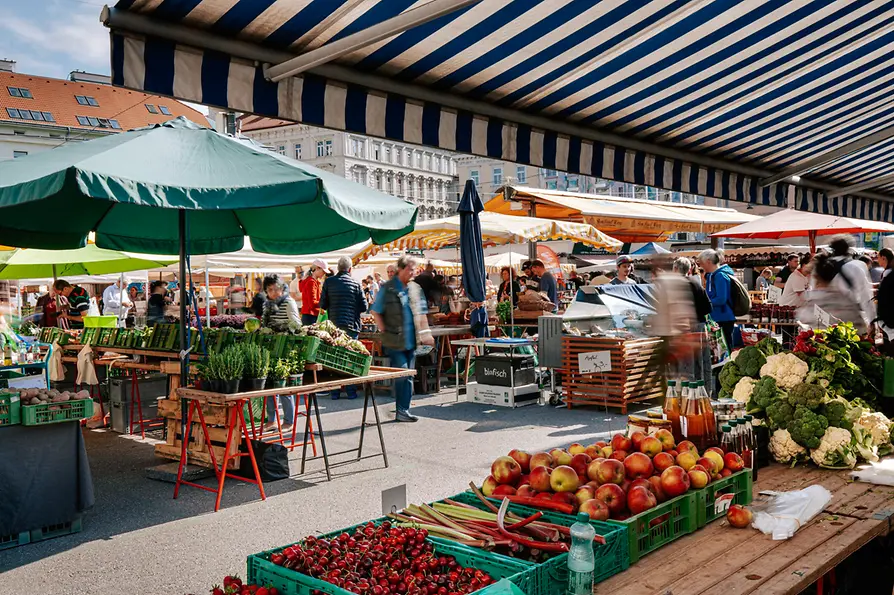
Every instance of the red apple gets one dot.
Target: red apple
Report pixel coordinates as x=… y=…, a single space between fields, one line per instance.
x=625 y=485
x=504 y=490
x=685 y=445
x=601 y=444
x=673 y=452
x=524 y=479
x=621 y=442
x=544 y=496
x=539 y=478
x=698 y=477
x=584 y=493
x=716 y=449
x=638 y=465
x=655 y=480
x=666 y=438
x=526 y=491
x=579 y=463
x=726 y=473
x=596 y=508
x=489 y=485
x=541 y=459
x=618 y=455
x=637 y=439
x=576 y=449
x=621 y=516
x=613 y=497
x=738 y=516
x=705 y=462
x=593 y=451
x=593 y=484
x=641 y=482
x=674 y=481
x=716 y=460
x=650 y=446
x=610 y=471
x=506 y=470
x=564 y=479
x=560 y=457
x=662 y=461
x=658 y=520
x=686 y=459
x=640 y=499
x=522 y=458
x=593 y=469
x=733 y=462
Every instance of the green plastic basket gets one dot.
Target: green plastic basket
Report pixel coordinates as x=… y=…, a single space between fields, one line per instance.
x=339 y=359
x=661 y=525
x=611 y=558
x=261 y=571
x=57 y=530
x=710 y=503
x=311 y=345
x=10 y=409
x=14 y=540
x=52 y=413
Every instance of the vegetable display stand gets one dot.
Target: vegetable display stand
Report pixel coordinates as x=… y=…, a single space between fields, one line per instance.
x=713 y=500
x=633 y=376
x=340 y=359
x=52 y=413
x=10 y=409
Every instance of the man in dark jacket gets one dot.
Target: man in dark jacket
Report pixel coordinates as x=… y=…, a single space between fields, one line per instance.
x=718 y=286
x=342 y=297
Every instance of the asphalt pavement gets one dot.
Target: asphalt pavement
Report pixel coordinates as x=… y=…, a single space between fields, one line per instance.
x=138 y=540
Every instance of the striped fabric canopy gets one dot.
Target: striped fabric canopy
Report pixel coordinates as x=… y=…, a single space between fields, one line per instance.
x=722 y=99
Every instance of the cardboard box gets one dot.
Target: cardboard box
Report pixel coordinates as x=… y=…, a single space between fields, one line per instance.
x=502 y=396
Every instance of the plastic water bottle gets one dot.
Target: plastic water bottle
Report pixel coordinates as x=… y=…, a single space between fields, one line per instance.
x=581 y=561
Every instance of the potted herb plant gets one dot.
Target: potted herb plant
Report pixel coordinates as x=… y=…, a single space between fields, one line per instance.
x=228 y=365
x=279 y=373
x=257 y=365
x=296 y=363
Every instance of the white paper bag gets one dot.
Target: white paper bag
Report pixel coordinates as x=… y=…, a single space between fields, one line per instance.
x=57 y=370
x=86 y=371
x=93 y=310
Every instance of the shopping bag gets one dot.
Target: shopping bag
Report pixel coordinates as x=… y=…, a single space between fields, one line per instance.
x=57 y=370
x=93 y=310
x=716 y=341
x=86 y=371
x=272 y=459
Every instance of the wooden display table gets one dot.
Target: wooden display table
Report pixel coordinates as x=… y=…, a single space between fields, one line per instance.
x=635 y=373
x=720 y=560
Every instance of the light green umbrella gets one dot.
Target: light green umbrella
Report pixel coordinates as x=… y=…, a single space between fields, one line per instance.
x=28 y=263
x=130 y=188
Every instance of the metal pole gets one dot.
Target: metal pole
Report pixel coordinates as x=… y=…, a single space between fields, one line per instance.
x=184 y=355
x=207 y=295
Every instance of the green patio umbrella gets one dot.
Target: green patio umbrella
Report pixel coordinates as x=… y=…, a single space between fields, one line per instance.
x=28 y=263
x=128 y=188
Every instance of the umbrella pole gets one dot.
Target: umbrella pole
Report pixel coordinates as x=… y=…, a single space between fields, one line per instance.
x=184 y=355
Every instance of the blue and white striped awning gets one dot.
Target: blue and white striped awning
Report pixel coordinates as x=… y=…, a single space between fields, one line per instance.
x=719 y=98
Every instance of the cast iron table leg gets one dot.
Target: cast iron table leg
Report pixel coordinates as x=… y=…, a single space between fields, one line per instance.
x=366 y=391
x=372 y=397
x=322 y=437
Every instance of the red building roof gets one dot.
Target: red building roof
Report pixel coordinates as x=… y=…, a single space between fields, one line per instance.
x=60 y=99
x=251 y=122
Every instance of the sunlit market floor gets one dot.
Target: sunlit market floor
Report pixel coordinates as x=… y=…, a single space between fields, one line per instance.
x=139 y=540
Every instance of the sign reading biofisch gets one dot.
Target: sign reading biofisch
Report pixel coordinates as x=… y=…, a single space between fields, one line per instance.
x=594 y=362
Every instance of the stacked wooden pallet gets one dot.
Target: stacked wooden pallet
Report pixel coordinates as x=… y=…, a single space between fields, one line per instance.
x=634 y=373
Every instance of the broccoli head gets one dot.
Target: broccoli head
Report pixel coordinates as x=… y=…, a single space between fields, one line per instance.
x=730 y=375
x=764 y=393
x=838 y=413
x=750 y=360
x=769 y=346
x=807 y=427
x=806 y=395
x=779 y=414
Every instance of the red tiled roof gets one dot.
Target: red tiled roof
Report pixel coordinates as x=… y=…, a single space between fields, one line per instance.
x=57 y=96
x=250 y=122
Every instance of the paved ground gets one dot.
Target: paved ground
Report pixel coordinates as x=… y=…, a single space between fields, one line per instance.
x=139 y=540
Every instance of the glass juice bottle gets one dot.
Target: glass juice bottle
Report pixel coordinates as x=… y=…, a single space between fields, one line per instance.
x=672 y=409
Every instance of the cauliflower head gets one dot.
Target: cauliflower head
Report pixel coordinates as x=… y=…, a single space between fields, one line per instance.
x=787 y=368
x=806 y=395
x=742 y=391
x=784 y=449
x=835 y=450
x=877 y=425
x=750 y=360
x=807 y=428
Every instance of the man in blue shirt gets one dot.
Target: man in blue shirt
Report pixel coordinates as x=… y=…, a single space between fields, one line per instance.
x=399 y=312
x=547 y=282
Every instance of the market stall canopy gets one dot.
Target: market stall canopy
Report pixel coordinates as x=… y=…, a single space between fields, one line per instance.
x=129 y=188
x=731 y=100
x=626 y=219
x=28 y=263
x=495 y=262
x=789 y=223
x=496 y=229
x=650 y=249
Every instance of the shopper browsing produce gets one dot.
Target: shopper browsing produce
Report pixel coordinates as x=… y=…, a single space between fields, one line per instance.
x=343 y=299
x=155 y=307
x=280 y=310
x=829 y=296
x=78 y=303
x=114 y=301
x=791 y=265
x=718 y=286
x=798 y=282
x=311 y=290
x=852 y=276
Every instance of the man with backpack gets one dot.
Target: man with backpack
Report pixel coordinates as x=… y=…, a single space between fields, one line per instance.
x=852 y=277
x=729 y=298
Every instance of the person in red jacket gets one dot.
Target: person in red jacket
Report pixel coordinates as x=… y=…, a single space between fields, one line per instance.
x=311 y=288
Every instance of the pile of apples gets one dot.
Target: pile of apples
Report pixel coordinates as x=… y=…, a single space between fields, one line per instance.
x=616 y=479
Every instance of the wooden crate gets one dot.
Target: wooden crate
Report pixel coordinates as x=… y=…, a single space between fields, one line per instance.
x=634 y=375
x=215 y=419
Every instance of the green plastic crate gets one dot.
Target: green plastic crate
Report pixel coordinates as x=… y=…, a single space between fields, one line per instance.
x=109 y=321
x=611 y=558
x=10 y=409
x=88 y=335
x=51 y=413
x=339 y=359
x=289 y=582
x=311 y=346
x=14 y=540
x=661 y=525
x=57 y=530
x=710 y=505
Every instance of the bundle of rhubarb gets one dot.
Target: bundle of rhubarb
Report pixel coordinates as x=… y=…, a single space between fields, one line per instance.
x=519 y=536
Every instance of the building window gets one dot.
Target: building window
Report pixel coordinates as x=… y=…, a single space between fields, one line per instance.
x=363 y=178
x=377 y=149
x=378 y=181
x=389 y=185
x=418 y=159
x=149 y=107
x=93 y=121
x=386 y=154
x=521 y=174
x=298 y=151
x=20 y=92
x=572 y=183
x=474 y=175
x=426 y=162
x=12 y=112
x=82 y=120
x=114 y=124
x=321 y=150
x=164 y=109
x=352 y=147
x=399 y=187
x=328 y=147
x=498 y=176
x=281 y=149
x=48 y=117
x=551 y=184
x=86 y=100
x=17 y=154
x=550 y=173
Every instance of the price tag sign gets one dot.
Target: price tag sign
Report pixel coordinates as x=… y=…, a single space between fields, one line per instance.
x=823 y=319
x=723 y=502
x=773 y=294
x=394 y=499
x=594 y=362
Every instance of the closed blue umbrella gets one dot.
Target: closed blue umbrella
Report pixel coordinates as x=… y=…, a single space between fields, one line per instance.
x=471 y=248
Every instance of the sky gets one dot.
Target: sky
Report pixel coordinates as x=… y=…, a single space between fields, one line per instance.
x=54 y=37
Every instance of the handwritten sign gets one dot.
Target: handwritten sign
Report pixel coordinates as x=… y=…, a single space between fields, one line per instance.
x=773 y=294
x=594 y=362
x=823 y=318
